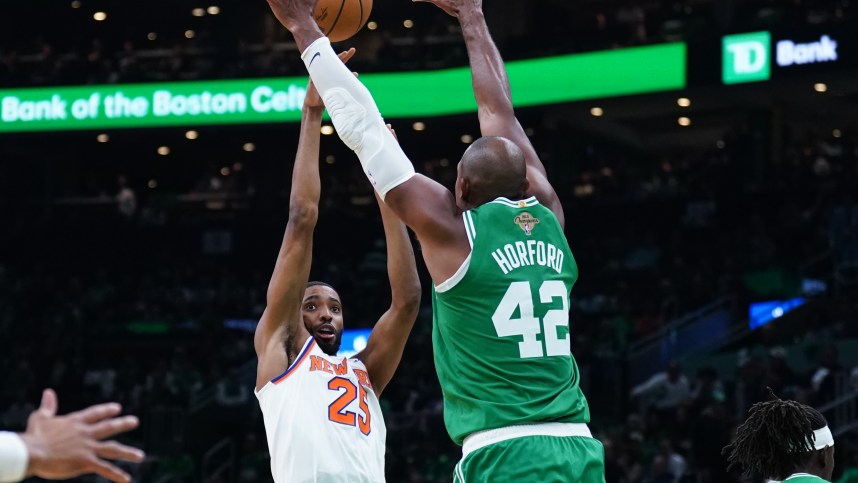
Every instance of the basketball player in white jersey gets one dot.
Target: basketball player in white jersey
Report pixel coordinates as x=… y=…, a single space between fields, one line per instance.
x=321 y=412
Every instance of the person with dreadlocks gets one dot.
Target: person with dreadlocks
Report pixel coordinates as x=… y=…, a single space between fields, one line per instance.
x=784 y=441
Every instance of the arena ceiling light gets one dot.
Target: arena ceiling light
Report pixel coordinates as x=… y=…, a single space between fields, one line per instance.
x=467 y=139
x=597 y=112
x=249 y=147
x=198 y=12
x=192 y=135
x=837 y=133
x=684 y=121
x=189 y=34
x=152 y=184
x=408 y=23
x=164 y=151
x=152 y=36
x=213 y=10
x=327 y=130
x=820 y=87
x=103 y=138
x=75 y=4
x=99 y=16
x=372 y=25
x=683 y=102
x=419 y=126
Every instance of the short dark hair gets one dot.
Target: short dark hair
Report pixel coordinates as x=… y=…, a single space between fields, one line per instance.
x=316 y=283
x=776 y=439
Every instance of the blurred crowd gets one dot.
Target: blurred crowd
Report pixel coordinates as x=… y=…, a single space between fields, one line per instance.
x=151 y=300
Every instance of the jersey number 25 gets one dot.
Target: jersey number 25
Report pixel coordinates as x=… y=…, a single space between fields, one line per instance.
x=337 y=410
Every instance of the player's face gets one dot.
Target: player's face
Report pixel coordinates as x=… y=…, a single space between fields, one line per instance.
x=323 y=317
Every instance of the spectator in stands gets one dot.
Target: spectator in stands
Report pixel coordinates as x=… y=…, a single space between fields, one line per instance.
x=666 y=391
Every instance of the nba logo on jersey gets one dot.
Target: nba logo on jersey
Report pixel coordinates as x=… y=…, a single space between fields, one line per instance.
x=527 y=222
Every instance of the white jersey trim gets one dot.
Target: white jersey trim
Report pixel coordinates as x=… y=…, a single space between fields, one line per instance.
x=481 y=439
x=457 y=277
x=305 y=349
x=532 y=201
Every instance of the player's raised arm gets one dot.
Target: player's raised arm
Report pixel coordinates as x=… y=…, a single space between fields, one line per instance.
x=384 y=349
x=281 y=322
x=494 y=98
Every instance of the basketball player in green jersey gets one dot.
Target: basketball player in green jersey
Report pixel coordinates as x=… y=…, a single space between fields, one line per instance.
x=501 y=266
x=784 y=441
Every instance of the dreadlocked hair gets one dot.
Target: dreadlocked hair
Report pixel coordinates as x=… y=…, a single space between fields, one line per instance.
x=776 y=439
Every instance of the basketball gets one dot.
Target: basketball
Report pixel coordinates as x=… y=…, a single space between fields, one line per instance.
x=342 y=19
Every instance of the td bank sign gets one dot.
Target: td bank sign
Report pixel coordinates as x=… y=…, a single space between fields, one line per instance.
x=748 y=57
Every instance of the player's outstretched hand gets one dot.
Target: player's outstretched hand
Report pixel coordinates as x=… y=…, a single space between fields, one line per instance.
x=455 y=7
x=313 y=99
x=62 y=447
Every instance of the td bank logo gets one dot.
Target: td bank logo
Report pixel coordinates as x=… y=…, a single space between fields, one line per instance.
x=747 y=57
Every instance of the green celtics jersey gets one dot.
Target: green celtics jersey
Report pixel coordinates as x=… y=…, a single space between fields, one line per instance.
x=501 y=323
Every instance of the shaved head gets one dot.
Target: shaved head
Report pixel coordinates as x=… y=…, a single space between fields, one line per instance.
x=492 y=167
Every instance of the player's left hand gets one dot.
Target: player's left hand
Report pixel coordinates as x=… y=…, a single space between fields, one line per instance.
x=62 y=447
x=313 y=99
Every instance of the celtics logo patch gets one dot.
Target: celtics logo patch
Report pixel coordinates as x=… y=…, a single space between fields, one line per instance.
x=526 y=222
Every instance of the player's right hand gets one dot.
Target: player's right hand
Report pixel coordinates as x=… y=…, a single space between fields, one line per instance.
x=455 y=7
x=62 y=447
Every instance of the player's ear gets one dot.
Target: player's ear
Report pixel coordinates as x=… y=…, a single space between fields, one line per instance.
x=464 y=188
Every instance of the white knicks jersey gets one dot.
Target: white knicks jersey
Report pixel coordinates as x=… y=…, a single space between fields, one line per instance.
x=323 y=421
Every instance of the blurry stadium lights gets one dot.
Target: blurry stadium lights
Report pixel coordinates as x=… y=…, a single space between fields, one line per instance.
x=237 y=167
x=103 y=138
x=597 y=112
x=820 y=87
x=330 y=159
x=408 y=23
x=372 y=25
x=192 y=135
x=152 y=183
x=529 y=131
x=213 y=10
x=164 y=150
x=224 y=171
x=327 y=130
x=198 y=12
x=467 y=138
x=189 y=34
x=684 y=121
x=75 y=4
x=683 y=102
x=444 y=162
x=152 y=36
x=249 y=147
x=419 y=126
x=837 y=133
x=99 y=16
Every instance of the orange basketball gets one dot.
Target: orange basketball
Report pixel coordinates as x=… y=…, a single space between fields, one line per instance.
x=342 y=19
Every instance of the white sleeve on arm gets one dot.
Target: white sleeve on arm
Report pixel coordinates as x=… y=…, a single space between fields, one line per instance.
x=13 y=458
x=356 y=118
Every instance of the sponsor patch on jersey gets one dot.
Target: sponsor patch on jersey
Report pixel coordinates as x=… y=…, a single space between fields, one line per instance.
x=526 y=222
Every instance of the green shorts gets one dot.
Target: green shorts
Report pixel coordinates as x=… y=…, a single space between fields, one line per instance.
x=536 y=459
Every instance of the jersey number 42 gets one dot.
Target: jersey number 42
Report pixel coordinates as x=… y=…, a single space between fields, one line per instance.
x=520 y=296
